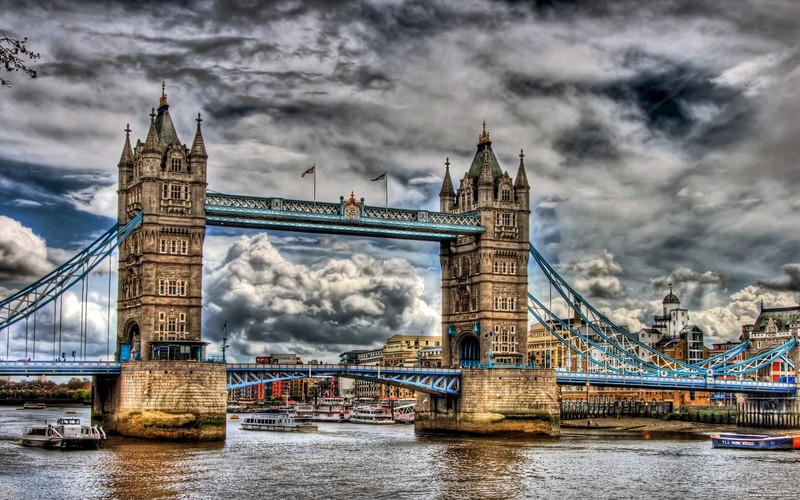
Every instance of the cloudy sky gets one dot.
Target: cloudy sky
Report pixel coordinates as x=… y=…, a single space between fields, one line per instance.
x=660 y=139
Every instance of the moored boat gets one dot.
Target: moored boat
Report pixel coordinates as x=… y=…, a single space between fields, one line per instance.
x=403 y=414
x=752 y=441
x=34 y=406
x=74 y=435
x=281 y=422
x=370 y=414
x=42 y=436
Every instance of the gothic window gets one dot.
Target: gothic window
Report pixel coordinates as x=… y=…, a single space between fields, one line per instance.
x=176 y=165
x=175 y=192
x=165 y=191
x=505 y=195
x=172 y=288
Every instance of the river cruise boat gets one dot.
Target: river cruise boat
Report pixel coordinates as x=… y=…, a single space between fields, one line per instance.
x=280 y=422
x=41 y=436
x=752 y=441
x=74 y=435
x=34 y=406
x=403 y=414
x=369 y=414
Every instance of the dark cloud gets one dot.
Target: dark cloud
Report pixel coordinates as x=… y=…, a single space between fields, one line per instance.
x=589 y=140
x=789 y=283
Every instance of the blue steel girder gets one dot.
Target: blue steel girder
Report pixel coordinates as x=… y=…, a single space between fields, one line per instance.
x=445 y=381
x=293 y=215
x=33 y=297
x=695 y=383
x=763 y=359
x=59 y=368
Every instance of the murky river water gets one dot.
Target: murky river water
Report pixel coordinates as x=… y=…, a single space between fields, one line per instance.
x=349 y=461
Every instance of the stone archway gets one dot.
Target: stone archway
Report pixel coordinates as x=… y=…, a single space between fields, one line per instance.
x=129 y=349
x=469 y=352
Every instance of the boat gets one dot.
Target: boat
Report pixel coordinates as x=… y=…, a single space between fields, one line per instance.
x=281 y=422
x=34 y=406
x=371 y=414
x=325 y=410
x=42 y=436
x=752 y=441
x=74 y=435
x=403 y=414
x=234 y=417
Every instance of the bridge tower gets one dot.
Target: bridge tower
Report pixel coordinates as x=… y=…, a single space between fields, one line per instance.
x=485 y=277
x=164 y=390
x=160 y=263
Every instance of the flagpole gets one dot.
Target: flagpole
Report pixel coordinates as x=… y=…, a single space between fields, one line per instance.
x=315 y=183
x=386 y=191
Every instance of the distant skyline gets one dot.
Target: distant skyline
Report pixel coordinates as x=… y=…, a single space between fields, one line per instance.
x=660 y=142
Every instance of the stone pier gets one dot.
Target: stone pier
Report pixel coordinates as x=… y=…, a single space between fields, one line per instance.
x=167 y=400
x=494 y=402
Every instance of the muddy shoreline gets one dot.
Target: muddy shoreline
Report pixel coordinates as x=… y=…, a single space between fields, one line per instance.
x=653 y=425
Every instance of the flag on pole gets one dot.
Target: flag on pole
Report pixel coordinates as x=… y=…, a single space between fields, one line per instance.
x=225 y=325
x=309 y=171
x=380 y=177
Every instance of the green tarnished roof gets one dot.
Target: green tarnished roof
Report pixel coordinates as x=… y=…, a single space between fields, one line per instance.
x=475 y=168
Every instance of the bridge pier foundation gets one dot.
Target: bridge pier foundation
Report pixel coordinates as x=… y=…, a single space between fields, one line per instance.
x=494 y=401
x=166 y=400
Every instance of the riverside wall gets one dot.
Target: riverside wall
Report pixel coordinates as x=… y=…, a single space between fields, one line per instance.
x=167 y=400
x=495 y=402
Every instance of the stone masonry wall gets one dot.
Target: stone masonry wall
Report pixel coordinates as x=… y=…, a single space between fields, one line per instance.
x=181 y=400
x=495 y=401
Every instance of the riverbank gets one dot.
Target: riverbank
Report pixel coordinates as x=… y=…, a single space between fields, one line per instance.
x=654 y=425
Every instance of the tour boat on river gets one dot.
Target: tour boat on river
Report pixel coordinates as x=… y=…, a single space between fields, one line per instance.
x=66 y=433
x=370 y=414
x=282 y=422
x=404 y=414
x=752 y=442
x=325 y=410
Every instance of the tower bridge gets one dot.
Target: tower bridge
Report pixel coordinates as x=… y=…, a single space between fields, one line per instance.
x=485 y=384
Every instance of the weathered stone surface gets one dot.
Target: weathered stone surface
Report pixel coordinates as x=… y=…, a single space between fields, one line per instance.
x=495 y=401
x=178 y=400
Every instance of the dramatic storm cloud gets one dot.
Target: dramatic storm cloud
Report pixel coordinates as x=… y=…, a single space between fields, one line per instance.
x=660 y=142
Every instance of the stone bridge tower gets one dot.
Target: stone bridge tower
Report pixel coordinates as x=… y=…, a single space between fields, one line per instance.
x=160 y=263
x=485 y=277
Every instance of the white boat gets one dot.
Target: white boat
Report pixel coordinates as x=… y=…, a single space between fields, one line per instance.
x=404 y=414
x=370 y=414
x=281 y=422
x=34 y=406
x=77 y=436
x=331 y=410
x=42 y=436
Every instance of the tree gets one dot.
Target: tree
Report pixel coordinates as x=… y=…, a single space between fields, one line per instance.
x=12 y=52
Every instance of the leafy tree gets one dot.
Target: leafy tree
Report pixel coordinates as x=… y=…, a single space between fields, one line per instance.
x=12 y=53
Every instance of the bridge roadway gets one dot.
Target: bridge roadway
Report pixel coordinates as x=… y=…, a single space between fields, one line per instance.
x=429 y=380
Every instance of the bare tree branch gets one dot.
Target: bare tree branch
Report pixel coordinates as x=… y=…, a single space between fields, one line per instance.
x=12 y=52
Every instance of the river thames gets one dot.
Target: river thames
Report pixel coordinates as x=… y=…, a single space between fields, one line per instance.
x=350 y=461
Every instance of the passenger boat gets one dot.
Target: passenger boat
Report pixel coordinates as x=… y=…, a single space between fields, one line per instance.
x=752 y=441
x=326 y=410
x=282 y=422
x=403 y=414
x=42 y=436
x=77 y=436
x=371 y=415
x=34 y=406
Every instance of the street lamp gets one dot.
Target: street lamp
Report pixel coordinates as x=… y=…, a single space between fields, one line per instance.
x=587 y=398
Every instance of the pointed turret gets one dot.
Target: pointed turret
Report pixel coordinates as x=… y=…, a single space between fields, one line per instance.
x=521 y=182
x=151 y=143
x=484 y=146
x=447 y=196
x=164 y=126
x=126 y=159
x=198 y=145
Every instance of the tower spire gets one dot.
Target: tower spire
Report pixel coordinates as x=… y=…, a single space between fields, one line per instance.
x=198 y=145
x=126 y=159
x=163 y=101
x=151 y=143
x=521 y=181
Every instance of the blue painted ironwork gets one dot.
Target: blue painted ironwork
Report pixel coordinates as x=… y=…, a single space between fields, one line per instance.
x=33 y=297
x=564 y=377
x=59 y=368
x=342 y=218
x=446 y=381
